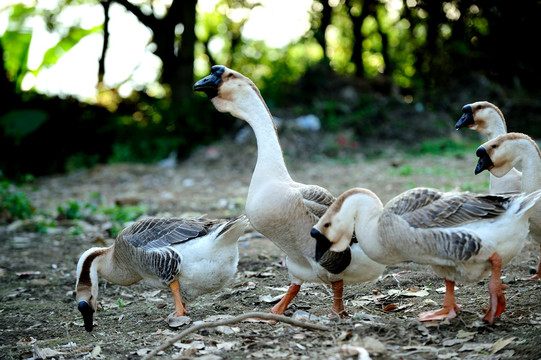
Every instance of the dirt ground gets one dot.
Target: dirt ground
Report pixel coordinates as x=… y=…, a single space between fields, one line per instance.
x=39 y=318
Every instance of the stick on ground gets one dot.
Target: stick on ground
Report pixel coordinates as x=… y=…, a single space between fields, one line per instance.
x=233 y=320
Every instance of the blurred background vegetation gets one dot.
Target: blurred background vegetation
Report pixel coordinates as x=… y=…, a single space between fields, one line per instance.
x=385 y=69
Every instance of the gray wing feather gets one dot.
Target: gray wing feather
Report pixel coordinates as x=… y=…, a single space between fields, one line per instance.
x=155 y=233
x=427 y=208
x=164 y=262
x=316 y=199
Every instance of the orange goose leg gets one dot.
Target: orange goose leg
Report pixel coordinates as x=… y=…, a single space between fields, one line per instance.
x=338 y=303
x=281 y=306
x=450 y=308
x=495 y=289
x=180 y=309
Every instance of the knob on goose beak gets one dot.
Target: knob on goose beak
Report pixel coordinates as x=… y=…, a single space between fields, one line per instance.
x=322 y=243
x=484 y=163
x=88 y=314
x=209 y=84
x=466 y=119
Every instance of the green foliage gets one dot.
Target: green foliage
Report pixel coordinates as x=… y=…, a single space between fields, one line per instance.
x=120 y=303
x=120 y=215
x=43 y=225
x=14 y=204
x=16 y=45
x=20 y=123
x=73 y=209
x=446 y=147
x=414 y=45
x=68 y=41
x=80 y=209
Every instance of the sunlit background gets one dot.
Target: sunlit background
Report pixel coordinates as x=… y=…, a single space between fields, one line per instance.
x=129 y=61
x=123 y=70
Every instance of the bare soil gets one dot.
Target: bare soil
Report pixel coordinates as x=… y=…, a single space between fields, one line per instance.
x=39 y=318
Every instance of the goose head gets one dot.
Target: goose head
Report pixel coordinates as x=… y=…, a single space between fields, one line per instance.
x=501 y=154
x=483 y=117
x=230 y=91
x=87 y=286
x=334 y=229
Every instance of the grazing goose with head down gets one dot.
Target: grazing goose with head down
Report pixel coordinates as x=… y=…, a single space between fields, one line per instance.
x=191 y=257
x=463 y=236
x=500 y=155
x=281 y=209
x=487 y=119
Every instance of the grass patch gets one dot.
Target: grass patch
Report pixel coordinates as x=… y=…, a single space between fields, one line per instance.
x=445 y=147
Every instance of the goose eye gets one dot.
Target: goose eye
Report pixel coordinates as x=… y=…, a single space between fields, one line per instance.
x=326 y=225
x=230 y=75
x=494 y=146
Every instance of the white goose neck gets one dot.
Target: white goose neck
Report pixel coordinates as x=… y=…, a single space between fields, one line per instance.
x=365 y=211
x=531 y=168
x=270 y=158
x=497 y=126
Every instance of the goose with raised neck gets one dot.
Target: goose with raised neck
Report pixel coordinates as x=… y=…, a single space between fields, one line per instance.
x=462 y=236
x=500 y=155
x=487 y=119
x=280 y=208
x=191 y=257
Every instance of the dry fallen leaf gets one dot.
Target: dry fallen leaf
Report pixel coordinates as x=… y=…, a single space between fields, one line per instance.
x=45 y=353
x=227 y=345
x=390 y=307
x=26 y=340
x=408 y=292
x=142 y=352
x=361 y=352
x=95 y=352
x=500 y=344
x=475 y=347
x=271 y=299
x=465 y=334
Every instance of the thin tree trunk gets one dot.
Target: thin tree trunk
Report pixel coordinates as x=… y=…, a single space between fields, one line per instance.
x=101 y=69
x=319 y=32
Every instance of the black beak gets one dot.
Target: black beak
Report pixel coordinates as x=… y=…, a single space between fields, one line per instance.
x=322 y=243
x=88 y=314
x=466 y=119
x=209 y=84
x=484 y=163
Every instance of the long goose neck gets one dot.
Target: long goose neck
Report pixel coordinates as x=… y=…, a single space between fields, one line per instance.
x=270 y=158
x=497 y=126
x=88 y=267
x=364 y=211
x=531 y=169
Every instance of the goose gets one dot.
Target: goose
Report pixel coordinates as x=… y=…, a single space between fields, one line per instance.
x=500 y=155
x=487 y=119
x=190 y=256
x=280 y=208
x=462 y=236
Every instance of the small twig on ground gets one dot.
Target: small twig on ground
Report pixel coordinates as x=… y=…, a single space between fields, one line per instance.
x=233 y=320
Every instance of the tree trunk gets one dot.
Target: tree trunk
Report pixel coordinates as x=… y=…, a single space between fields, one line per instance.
x=319 y=32
x=177 y=55
x=368 y=8
x=101 y=69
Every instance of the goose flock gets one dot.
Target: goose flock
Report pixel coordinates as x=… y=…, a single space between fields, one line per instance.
x=336 y=241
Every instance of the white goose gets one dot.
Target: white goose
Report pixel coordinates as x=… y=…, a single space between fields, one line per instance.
x=192 y=257
x=500 y=154
x=281 y=209
x=463 y=236
x=487 y=119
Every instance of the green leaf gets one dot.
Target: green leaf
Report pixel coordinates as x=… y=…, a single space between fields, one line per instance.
x=65 y=44
x=20 y=123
